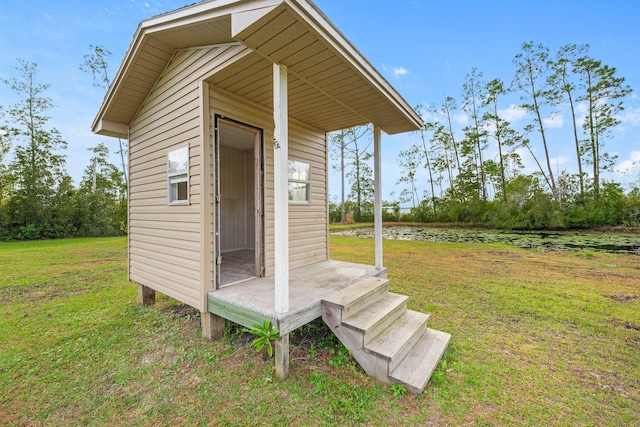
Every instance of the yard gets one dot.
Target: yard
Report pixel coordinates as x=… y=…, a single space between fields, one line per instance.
x=539 y=338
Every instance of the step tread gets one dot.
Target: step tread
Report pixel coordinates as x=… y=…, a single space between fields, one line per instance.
x=418 y=365
x=370 y=315
x=347 y=297
x=391 y=342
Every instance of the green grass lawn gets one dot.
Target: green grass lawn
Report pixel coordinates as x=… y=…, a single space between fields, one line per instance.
x=538 y=339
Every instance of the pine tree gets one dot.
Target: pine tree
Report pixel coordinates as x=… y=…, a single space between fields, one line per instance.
x=530 y=80
x=38 y=166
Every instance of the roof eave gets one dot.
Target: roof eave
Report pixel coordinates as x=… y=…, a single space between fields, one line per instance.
x=308 y=14
x=323 y=25
x=96 y=126
x=169 y=20
x=108 y=128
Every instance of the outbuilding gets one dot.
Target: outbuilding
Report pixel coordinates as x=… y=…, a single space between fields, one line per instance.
x=226 y=106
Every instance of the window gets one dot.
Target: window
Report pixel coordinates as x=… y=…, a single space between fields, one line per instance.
x=299 y=182
x=178 y=175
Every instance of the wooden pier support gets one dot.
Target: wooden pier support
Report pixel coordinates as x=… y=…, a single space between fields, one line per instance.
x=146 y=295
x=282 y=357
x=212 y=325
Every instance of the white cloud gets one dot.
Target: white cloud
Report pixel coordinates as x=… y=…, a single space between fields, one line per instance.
x=558 y=161
x=608 y=40
x=627 y=166
x=461 y=119
x=396 y=71
x=113 y=10
x=582 y=108
x=554 y=121
x=489 y=127
x=528 y=162
x=630 y=116
x=427 y=115
x=512 y=113
x=400 y=71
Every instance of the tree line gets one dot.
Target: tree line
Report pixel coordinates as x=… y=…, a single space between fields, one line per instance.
x=464 y=183
x=475 y=173
x=37 y=196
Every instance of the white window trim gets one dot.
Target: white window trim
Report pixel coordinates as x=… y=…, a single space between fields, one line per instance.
x=171 y=175
x=300 y=181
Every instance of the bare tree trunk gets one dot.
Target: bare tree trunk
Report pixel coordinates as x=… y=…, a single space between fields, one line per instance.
x=124 y=166
x=552 y=181
x=577 y=140
x=499 y=140
x=343 y=217
x=426 y=156
x=453 y=142
x=544 y=175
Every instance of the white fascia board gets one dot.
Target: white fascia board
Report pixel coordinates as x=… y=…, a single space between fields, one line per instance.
x=240 y=21
x=204 y=11
x=108 y=128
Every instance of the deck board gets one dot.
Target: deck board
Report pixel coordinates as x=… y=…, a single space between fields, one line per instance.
x=308 y=285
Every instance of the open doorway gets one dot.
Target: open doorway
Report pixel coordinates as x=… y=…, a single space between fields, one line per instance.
x=239 y=199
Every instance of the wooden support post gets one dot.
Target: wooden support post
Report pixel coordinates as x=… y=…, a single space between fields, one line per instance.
x=146 y=295
x=281 y=187
x=282 y=357
x=377 y=209
x=212 y=325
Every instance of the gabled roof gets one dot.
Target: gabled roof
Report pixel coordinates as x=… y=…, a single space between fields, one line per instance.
x=331 y=85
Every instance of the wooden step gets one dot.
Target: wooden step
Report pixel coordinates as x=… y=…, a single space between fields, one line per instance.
x=399 y=338
x=418 y=365
x=357 y=296
x=376 y=317
x=391 y=343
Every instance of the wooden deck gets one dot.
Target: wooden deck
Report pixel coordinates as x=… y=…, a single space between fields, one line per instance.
x=253 y=301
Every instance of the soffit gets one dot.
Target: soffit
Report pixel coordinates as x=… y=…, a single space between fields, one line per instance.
x=330 y=85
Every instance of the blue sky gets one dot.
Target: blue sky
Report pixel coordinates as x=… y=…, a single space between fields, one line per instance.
x=424 y=48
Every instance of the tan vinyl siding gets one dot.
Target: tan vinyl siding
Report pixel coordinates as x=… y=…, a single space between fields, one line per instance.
x=307 y=223
x=166 y=241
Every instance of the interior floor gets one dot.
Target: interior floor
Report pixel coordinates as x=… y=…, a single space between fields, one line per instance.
x=237 y=266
